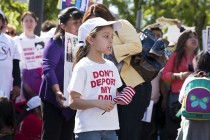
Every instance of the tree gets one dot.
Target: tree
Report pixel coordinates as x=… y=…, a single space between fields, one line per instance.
x=13 y=10
x=50 y=10
x=190 y=12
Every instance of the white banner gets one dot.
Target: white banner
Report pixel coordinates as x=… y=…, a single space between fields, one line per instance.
x=70 y=52
x=31 y=52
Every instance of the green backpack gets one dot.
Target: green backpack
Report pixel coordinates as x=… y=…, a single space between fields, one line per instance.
x=196 y=102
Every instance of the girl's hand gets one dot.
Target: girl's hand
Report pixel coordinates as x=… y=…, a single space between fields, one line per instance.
x=121 y=102
x=60 y=98
x=105 y=105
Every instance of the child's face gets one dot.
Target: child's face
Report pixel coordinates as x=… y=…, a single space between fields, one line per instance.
x=191 y=43
x=102 y=43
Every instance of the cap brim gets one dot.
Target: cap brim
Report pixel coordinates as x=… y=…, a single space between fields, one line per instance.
x=116 y=24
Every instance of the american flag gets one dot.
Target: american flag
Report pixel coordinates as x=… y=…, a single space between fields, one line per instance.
x=126 y=95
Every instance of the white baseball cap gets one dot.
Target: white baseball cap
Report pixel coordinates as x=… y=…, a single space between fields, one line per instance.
x=33 y=103
x=89 y=25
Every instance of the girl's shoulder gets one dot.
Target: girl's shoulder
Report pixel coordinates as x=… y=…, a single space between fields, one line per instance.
x=109 y=62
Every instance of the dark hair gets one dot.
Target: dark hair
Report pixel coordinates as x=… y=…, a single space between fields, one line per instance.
x=39 y=43
x=25 y=113
x=47 y=25
x=98 y=10
x=203 y=61
x=6 y=20
x=7 y=113
x=2 y=17
x=180 y=46
x=29 y=13
x=65 y=15
x=156 y=29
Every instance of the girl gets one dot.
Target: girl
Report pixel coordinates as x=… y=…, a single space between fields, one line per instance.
x=126 y=43
x=94 y=82
x=58 y=121
x=194 y=129
x=176 y=70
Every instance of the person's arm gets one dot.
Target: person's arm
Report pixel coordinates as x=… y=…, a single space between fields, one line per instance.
x=51 y=58
x=179 y=25
x=16 y=79
x=58 y=94
x=77 y=103
x=127 y=42
x=167 y=74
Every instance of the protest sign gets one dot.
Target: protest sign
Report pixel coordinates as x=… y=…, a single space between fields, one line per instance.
x=70 y=53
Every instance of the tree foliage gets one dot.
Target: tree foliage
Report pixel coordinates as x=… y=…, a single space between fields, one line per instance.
x=13 y=10
x=50 y=10
x=190 y=12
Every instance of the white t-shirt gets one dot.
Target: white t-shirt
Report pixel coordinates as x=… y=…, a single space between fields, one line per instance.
x=30 y=50
x=95 y=81
x=8 y=52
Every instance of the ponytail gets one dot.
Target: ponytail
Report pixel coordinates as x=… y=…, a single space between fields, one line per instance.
x=82 y=52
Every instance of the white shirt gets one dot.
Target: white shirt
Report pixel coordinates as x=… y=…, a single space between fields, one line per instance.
x=8 y=52
x=30 y=50
x=95 y=81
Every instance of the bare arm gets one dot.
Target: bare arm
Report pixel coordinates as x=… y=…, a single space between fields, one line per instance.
x=81 y=104
x=59 y=95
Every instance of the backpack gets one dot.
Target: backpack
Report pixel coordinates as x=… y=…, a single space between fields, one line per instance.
x=196 y=102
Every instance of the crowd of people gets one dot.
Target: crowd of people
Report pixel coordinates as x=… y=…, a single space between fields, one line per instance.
x=108 y=98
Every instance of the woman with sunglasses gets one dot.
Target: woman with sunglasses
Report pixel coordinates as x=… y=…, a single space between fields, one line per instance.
x=58 y=121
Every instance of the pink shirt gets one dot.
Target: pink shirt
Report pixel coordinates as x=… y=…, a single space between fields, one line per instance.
x=168 y=69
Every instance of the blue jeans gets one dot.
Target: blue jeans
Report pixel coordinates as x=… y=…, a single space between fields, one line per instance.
x=97 y=135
